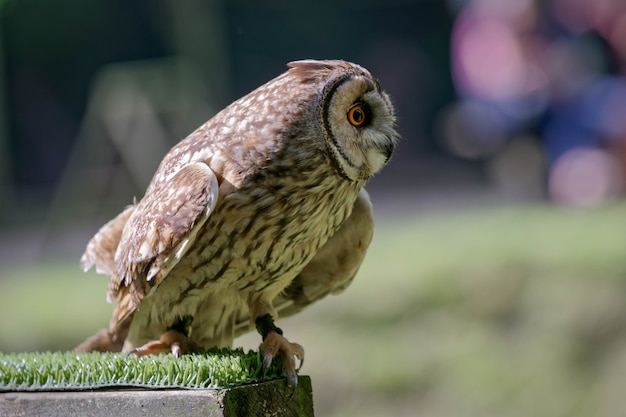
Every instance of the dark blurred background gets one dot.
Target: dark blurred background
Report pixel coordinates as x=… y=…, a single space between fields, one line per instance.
x=505 y=105
x=515 y=99
x=94 y=93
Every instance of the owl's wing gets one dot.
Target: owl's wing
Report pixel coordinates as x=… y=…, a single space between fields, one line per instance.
x=158 y=232
x=101 y=248
x=332 y=269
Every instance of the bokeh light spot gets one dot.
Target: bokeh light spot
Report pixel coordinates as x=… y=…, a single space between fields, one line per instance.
x=472 y=129
x=519 y=168
x=585 y=177
x=488 y=60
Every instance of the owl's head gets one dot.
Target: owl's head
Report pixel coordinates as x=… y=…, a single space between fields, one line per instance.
x=355 y=115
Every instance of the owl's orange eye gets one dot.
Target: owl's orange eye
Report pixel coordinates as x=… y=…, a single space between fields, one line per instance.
x=357 y=115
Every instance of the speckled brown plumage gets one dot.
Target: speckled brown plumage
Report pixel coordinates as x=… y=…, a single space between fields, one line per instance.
x=259 y=212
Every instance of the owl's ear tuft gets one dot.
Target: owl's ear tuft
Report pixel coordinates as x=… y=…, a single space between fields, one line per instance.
x=310 y=68
x=311 y=65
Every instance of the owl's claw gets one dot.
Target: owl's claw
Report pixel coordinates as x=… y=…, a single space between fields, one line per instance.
x=276 y=344
x=170 y=341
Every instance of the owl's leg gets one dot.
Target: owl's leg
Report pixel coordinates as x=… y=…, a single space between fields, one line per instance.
x=275 y=344
x=170 y=341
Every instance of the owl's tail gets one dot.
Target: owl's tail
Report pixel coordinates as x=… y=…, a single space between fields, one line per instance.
x=103 y=341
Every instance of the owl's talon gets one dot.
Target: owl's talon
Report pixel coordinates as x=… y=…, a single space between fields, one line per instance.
x=170 y=341
x=176 y=350
x=275 y=344
x=292 y=381
x=267 y=361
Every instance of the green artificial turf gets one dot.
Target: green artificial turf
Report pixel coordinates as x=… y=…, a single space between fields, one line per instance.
x=80 y=371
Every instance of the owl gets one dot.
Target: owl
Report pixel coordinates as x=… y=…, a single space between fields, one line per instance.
x=257 y=214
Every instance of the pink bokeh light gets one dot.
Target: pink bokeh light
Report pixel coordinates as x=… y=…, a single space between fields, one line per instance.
x=488 y=60
x=556 y=66
x=585 y=177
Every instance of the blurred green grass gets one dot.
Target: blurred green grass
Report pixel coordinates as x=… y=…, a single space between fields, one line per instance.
x=509 y=311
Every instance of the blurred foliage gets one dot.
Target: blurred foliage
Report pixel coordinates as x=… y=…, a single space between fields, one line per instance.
x=491 y=312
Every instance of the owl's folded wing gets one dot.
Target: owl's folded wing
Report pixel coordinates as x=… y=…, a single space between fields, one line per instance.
x=157 y=233
x=100 y=251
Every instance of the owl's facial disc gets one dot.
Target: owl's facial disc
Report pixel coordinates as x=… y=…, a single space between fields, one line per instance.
x=360 y=131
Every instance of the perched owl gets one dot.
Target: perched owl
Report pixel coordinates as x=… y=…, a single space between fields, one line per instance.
x=258 y=213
